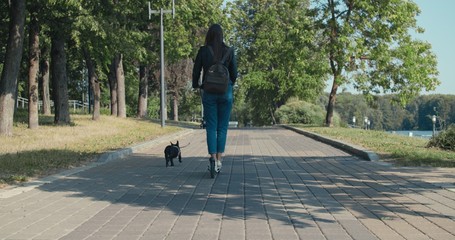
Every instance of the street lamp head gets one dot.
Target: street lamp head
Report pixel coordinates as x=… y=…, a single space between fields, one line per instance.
x=433 y=118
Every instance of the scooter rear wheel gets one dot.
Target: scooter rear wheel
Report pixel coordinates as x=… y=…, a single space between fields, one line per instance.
x=212 y=168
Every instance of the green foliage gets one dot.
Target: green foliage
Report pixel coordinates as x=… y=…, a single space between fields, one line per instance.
x=190 y=106
x=442 y=106
x=276 y=53
x=444 y=139
x=240 y=110
x=4 y=20
x=402 y=150
x=105 y=111
x=281 y=46
x=385 y=114
x=368 y=44
x=296 y=111
x=185 y=33
x=153 y=106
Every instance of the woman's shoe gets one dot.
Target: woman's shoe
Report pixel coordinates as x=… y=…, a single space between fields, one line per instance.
x=218 y=165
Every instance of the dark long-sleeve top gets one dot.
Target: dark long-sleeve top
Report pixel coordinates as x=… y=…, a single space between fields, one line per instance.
x=204 y=60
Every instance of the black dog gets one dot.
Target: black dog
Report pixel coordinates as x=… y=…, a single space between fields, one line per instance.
x=172 y=151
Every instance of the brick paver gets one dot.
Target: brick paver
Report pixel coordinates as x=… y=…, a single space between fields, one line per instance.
x=275 y=184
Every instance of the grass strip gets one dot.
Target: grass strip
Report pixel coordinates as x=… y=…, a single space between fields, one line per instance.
x=50 y=148
x=401 y=150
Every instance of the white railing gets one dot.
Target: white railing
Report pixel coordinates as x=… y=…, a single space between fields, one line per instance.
x=75 y=104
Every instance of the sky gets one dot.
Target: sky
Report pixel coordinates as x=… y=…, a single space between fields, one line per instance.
x=437 y=19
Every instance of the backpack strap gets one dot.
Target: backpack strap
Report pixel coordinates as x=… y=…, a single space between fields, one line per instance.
x=223 y=60
x=211 y=51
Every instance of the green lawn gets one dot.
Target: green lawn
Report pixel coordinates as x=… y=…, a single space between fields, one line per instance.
x=49 y=149
x=402 y=150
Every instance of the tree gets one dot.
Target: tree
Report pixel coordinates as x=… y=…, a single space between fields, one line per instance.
x=442 y=106
x=182 y=40
x=113 y=88
x=34 y=59
x=44 y=80
x=143 y=92
x=278 y=58
x=179 y=74
x=89 y=38
x=386 y=114
x=107 y=32
x=4 y=30
x=13 y=56
x=59 y=80
x=120 y=79
x=60 y=17
x=349 y=106
x=368 y=44
x=94 y=83
x=126 y=47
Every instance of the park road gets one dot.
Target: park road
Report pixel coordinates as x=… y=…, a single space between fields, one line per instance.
x=274 y=184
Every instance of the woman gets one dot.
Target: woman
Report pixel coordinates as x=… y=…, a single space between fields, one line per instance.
x=217 y=107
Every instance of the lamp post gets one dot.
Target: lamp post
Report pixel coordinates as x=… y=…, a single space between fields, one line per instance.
x=163 y=92
x=433 y=119
x=353 y=121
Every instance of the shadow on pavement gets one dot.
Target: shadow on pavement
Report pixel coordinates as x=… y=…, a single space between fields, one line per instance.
x=290 y=190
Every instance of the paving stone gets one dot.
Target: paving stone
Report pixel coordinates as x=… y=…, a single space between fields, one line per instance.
x=275 y=184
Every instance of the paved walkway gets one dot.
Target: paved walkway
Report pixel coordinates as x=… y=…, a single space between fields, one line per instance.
x=275 y=184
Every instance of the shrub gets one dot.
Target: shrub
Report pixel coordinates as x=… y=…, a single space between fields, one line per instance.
x=297 y=111
x=444 y=140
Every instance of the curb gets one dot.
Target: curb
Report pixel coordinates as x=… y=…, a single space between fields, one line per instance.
x=102 y=159
x=353 y=149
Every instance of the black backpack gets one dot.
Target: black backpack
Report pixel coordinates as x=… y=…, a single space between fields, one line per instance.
x=217 y=77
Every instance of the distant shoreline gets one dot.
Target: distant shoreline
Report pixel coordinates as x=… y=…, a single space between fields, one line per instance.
x=414 y=133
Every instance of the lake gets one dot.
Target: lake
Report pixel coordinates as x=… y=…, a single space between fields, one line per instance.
x=421 y=134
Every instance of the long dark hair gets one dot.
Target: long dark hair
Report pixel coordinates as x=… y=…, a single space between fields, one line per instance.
x=214 y=38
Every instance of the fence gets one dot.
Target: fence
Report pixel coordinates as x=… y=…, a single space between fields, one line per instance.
x=75 y=104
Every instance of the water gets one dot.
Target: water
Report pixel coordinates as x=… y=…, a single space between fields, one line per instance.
x=421 y=134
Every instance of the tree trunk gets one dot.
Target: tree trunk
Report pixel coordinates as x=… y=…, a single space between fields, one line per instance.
x=45 y=87
x=96 y=98
x=59 y=80
x=34 y=55
x=143 y=92
x=120 y=76
x=113 y=88
x=11 y=64
x=94 y=82
x=176 y=106
x=331 y=104
x=272 y=115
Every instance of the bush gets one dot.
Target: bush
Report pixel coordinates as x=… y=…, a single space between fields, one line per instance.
x=444 y=140
x=297 y=111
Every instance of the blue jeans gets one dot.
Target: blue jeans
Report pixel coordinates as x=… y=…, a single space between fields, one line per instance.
x=217 y=111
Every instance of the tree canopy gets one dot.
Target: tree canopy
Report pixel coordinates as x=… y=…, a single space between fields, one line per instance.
x=285 y=48
x=277 y=52
x=368 y=44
